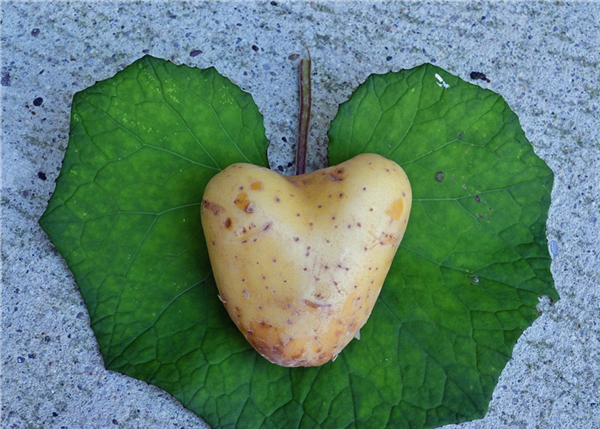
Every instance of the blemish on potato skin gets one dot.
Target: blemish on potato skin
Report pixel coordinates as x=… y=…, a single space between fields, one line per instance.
x=243 y=203
x=396 y=209
x=214 y=208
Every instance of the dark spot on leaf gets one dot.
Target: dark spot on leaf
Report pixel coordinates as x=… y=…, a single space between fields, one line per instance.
x=439 y=176
x=477 y=198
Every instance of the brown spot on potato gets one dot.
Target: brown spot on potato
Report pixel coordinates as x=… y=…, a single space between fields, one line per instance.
x=337 y=175
x=396 y=209
x=227 y=223
x=243 y=203
x=256 y=185
x=214 y=208
x=315 y=305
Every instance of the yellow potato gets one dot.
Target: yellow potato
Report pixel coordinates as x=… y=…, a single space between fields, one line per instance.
x=299 y=261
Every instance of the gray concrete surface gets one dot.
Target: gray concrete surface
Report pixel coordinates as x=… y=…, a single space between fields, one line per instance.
x=543 y=57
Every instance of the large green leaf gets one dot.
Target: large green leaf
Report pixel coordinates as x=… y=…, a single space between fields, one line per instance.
x=474 y=260
x=125 y=215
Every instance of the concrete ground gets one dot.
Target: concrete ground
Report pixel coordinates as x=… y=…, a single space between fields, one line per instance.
x=542 y=57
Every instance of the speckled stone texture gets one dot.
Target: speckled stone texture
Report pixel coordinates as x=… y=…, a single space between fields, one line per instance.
x=542 y=57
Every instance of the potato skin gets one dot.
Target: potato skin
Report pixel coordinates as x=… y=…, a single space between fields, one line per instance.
x=299 y=261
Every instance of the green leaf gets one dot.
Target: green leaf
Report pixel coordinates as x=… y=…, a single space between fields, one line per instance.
x=125 y=215
x=466 y=280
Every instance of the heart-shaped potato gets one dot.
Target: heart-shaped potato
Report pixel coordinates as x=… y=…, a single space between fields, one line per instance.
x=299 y=261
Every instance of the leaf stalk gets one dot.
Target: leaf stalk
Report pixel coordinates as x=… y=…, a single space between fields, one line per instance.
x=304 y=122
